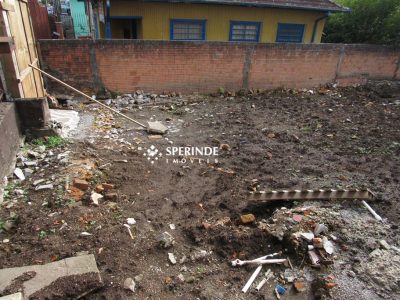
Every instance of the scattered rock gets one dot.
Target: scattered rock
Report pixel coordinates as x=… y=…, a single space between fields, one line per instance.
x=308 y=236
x=299 y=285
x=28 y=172
x=111 y=196
x=85 y=233
x=384 y=244
x=19 y=174
x=181 y=277
x=95 y=197
x=166 y=240
x=225 y=147
x=39 y=181
x=247 y=219
x=107 y=186
x=138 y=278
x=172 y=258
x=81 y=184
x=129 y=284
x=320 y=228
x=99 y=188
x=131 y=221
x=44 y=187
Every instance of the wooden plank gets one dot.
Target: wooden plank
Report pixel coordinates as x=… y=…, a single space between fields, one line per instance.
x=310 y=195
x=9 y=60
x=6 y=39
x=33 y=55
x=6 y=6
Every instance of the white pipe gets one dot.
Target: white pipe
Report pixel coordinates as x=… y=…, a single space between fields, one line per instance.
x=252 y=278
x=378 y=217
x=261 y=284
x=264 y=261
x=238 y=262
x=265 y=279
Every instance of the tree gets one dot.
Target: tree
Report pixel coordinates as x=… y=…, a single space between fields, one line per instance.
x=370 y=21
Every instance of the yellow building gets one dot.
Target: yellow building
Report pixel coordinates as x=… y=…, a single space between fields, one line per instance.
x=266 y=21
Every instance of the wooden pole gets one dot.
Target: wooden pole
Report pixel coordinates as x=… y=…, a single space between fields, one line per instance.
x=88 y=97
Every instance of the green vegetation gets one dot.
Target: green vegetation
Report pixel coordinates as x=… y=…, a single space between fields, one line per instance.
x=50 y=142
x=369 y=22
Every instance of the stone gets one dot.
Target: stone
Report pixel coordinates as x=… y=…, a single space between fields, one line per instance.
x=30 y=163
x=112 y=205
x=19 y=174
x=156 y=127
x=107 y=186
x=131 y=221
x=317 y=243
x=17 y=296
x=308 y=236
x=81 y=184
x=172 y=258
x=129 y=284
x=138 y=278
x=328 y=246
x=181 y=277
x=111 y=196
x=95 y=197
x=320 y=228
x=44 y=187
x=166 y=240
x=99 y=188
x=83 y=266
x=297 y=218
x=39 y=181
x=247 y=219
x=154 y=137
x=299 y=285
x=33 y=154
x=384 y=245
x=28 y=172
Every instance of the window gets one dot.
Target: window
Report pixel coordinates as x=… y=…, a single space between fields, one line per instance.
x=290 y=33
x=244 y=31
x=187 y=29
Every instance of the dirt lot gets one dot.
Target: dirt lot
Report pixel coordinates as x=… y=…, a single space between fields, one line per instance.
x=326 y=138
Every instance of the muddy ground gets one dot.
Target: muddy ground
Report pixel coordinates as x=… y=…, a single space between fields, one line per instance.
x=326 y=138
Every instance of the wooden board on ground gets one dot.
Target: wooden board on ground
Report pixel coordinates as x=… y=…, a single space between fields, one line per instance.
x=310 y=195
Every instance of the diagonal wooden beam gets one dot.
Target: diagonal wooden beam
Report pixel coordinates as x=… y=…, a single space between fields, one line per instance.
x=311 y=195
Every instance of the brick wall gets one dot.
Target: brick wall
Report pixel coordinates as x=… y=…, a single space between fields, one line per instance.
x=165 y=66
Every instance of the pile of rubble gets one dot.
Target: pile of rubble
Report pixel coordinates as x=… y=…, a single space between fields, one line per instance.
x=327 y=244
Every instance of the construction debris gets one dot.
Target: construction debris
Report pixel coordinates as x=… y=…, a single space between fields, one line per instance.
x=376 y=216
x=251 y=279
x=129 y=284
x=311 y=195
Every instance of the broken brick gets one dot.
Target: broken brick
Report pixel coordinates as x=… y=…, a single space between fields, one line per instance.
x=247 y=219
x=318 y=243
x=81 y=184
x=207 y=226
x=299 y=286
x=107 y=186
x=99 y=188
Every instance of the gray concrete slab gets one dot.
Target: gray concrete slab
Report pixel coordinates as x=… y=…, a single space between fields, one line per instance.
x=9 y=138
x=16 y=296
x=49 y=273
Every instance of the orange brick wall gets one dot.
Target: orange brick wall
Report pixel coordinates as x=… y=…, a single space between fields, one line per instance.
x=165 y=66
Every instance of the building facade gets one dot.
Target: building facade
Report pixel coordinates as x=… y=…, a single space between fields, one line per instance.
x=265 y=21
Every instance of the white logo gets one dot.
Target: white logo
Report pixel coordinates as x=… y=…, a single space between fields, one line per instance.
x=183 y=155
x=152 y=154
